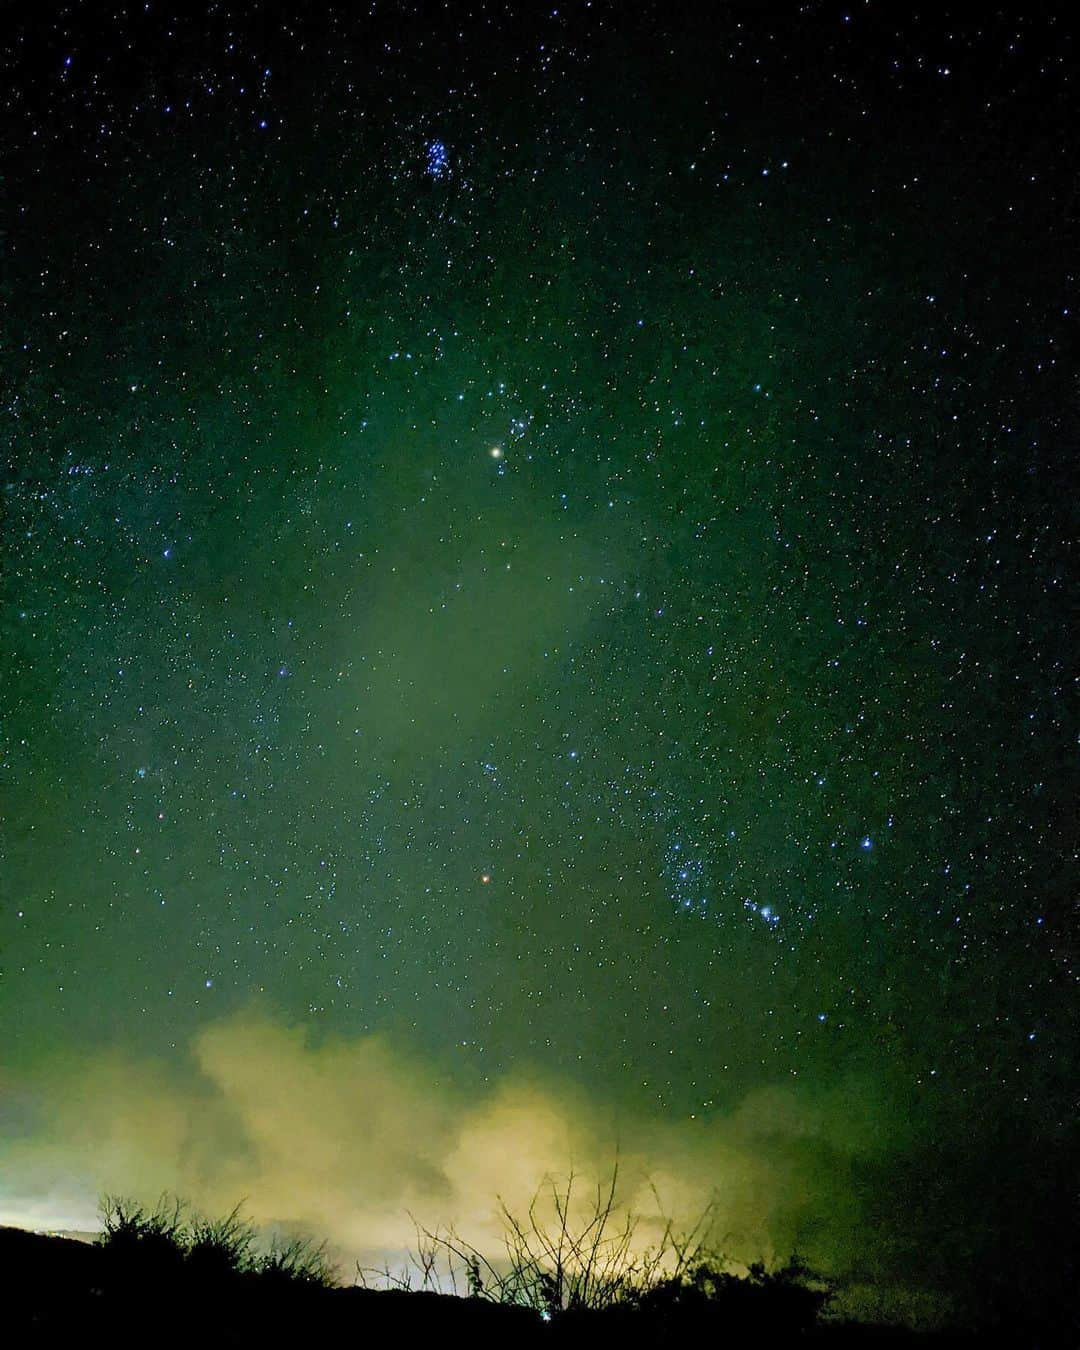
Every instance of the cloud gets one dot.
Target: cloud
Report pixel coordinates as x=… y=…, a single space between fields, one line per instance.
x=349 y=1137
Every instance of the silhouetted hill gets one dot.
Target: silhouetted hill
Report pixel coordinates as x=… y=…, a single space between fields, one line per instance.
x=59 y=1291
x=63 y=1292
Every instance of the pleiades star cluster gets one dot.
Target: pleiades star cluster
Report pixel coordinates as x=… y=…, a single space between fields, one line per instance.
x=543 y=532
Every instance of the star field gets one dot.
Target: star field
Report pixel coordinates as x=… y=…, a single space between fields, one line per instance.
x=546 y=533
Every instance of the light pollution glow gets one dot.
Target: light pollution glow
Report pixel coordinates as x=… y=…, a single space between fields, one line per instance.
x=357 y=1140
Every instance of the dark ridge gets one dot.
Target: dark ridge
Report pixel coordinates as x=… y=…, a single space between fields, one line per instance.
x=65 y=1292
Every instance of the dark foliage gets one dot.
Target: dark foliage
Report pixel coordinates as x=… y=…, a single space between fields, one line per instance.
x=782 y=1302
x=158 y=1278
x=195 y=1253
x=705 y=1305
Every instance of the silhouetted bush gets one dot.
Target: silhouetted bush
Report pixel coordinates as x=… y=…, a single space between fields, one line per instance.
x=585 y=1275
x=148 y=1246
x=781 y=1303
x=220 y=1249
x=164 y=1245
x=158 y=1276
x=295 y=1261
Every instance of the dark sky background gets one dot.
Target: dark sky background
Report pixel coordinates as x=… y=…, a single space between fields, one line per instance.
x=535 y=560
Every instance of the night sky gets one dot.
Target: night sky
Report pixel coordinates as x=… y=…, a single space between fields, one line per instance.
x=536 y=598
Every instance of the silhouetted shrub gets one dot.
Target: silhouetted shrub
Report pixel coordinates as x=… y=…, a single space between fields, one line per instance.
x=556 y=1259
x=220 y=1249
x=146 y=1248
x=296 y=1261
x=780 y=1303
x=582 y=1270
